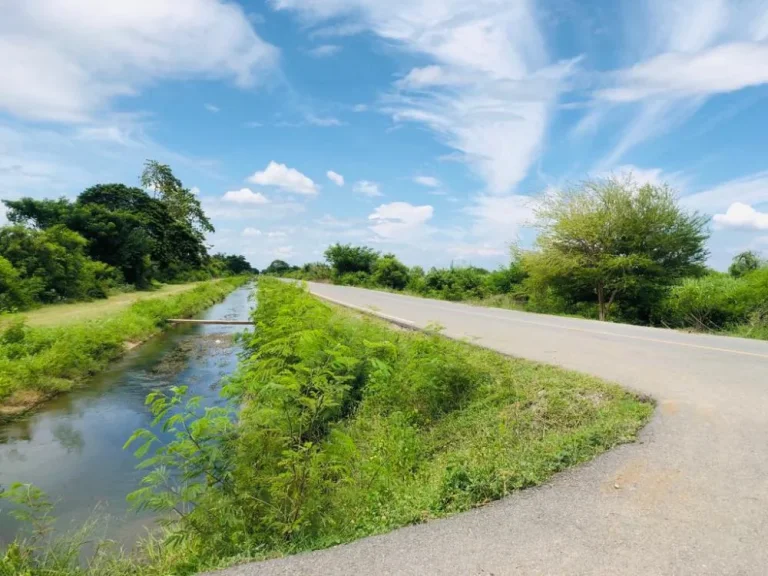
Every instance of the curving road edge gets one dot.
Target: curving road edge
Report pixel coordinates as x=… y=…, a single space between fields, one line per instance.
x=691 y=497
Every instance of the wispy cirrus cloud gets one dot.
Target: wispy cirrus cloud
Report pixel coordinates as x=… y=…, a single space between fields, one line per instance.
x=695 y=49
x=489 y=88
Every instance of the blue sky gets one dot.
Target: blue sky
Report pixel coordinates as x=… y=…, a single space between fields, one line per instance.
x=422 y=127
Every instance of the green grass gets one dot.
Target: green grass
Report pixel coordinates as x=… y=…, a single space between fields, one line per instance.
x=37 y=362
x=59 y=314
x=348 y=428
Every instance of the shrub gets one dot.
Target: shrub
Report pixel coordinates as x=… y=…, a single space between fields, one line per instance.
x=711 y=302
x=390 y=272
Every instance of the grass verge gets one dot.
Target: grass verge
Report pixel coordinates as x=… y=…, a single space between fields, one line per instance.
x=38 y=362
x=341 y=427
x=77 y=312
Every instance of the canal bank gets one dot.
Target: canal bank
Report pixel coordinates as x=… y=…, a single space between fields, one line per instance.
x=72 y=446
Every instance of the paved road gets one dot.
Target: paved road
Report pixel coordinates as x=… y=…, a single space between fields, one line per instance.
x=690 y=498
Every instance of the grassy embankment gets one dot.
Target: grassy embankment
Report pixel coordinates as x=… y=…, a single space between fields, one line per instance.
x=58 y=314
x=62 y=345
x=348 y=428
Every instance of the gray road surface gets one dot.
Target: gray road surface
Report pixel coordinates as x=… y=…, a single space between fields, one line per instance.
x=690 y=498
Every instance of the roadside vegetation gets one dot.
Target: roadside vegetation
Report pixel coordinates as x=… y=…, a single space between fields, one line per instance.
x=607 y=249
x=39 y=362
x=111 y=238
x=338 y=427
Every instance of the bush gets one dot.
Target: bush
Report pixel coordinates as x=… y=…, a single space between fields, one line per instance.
x=15 y=293
x=346 y=259
x=712 y=302
x=389 y=272
x=457 y=283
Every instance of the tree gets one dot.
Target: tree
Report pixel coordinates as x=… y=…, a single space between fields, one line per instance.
x=610 y=239
x=345 y=258
x=390 y=272
x=125 y=228
x=53 y=264
x=181 y=202
x=277 y=267
x=744 y=263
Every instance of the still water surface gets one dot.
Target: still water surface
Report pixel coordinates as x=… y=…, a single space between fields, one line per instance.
x=72 y=447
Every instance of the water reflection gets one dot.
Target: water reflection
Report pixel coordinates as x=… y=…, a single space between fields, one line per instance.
x=72 y=449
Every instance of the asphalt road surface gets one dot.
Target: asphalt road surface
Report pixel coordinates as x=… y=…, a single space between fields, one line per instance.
x=691 y=497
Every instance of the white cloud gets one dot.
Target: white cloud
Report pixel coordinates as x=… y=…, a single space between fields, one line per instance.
x=426 y=77
x=743 y=217
x=751 y=190
x=324 y=50
x=360 y=108
x=480 y=250
x=276 y=234
x=245 y=196
x=65 y=60
x=323 y=121
x=692 y=50
x=642 y=176
x=400 y=221
x=254 y=124
x=284 y=178
x=108 y=133
x=722 y=69
x=283 y=252
x=500 y=218
x=195 y=190
x=367 y=188
x=428 y=181
x=212 y=108
x=252 y=232
x=336 y=178
x=491 y=89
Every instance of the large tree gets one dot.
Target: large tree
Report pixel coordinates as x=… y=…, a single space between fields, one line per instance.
x=124 y=227
x=613 y=242
x=181 y=202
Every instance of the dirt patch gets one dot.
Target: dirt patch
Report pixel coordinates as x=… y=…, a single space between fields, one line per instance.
x=20 y=402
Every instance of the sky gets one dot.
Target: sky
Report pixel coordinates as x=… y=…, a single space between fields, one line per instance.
x=426 y=128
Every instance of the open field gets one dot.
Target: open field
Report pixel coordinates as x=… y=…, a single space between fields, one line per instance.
x=59 y=314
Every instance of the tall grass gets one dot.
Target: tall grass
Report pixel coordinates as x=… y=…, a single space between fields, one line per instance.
x=340 y=427
x=39 y=362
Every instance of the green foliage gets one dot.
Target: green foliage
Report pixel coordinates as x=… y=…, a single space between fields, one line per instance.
x=719 y=302
x=230 y=265
x=612 y=242
x=389 y=272
x=45 y=361
x=277 y=267
x=145 y=238
x=456 y=283
x=745 y=263
x=51 y=266
x=348 y=259
x=182 y=204
x=16 y=293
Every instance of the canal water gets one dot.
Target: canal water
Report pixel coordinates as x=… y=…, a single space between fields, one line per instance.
x=72 y=447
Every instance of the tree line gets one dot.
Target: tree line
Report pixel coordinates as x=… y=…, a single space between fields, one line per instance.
x=607 y=249
x=111 y=237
